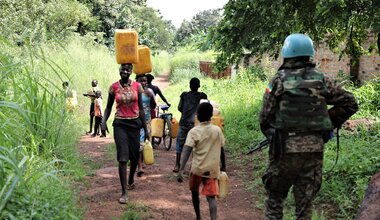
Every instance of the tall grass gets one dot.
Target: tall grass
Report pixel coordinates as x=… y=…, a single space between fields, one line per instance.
x=185 y=64
x=368 y=97
x=81 y=61
x=161 y=62
x=37 y=138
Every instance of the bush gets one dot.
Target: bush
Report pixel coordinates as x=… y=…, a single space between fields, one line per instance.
x=368 y=98
x=255 y=72
x=184 y=59
x=33 y=146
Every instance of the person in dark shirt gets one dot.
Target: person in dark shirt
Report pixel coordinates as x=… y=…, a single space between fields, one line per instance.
x=156 y=91
x=188 y=104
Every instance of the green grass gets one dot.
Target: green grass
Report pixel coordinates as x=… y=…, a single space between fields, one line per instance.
x=161 y=62
x=39 y=160
x=136 y=212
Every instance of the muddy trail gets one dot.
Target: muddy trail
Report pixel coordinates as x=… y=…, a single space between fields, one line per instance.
x=157 y=195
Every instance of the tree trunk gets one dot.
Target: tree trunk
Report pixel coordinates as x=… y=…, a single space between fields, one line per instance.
x=354 y=70
x=369 y=209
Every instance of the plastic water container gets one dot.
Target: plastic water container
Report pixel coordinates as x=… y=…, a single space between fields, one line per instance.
x=218 y=120
x=148 y=153
x=157 y=127
x=215 y=120
x=224 y=185
x=144 y=65
x=126 y=46
x=175 y=126
x=215 y=111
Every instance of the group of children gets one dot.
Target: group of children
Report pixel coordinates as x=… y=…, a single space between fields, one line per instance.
x=205 y=141
x=95 y=96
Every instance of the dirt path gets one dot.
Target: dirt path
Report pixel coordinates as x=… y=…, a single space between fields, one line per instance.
x=157 y=194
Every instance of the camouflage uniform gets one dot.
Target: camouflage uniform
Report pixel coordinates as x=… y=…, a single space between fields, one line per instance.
x=299 y=162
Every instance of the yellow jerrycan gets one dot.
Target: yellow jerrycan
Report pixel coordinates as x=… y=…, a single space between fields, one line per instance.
x=145 y=64
x=157 y=127
x=126 y=46
x=218 y=120
x=148 y=153
x=175 y=126
x=224 y=185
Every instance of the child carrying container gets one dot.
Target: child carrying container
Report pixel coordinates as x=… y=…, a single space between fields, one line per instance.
x=98 y=114
x=206 y=141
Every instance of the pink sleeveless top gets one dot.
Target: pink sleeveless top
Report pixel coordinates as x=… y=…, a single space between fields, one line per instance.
x=126 y=98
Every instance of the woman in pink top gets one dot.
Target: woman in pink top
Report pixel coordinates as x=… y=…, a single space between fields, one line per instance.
x=129 y=118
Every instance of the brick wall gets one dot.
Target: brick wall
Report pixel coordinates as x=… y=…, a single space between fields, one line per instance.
x=205 y=67
x=329 y=62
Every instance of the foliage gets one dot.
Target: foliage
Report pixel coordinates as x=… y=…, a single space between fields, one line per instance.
x=256 y=72
x=35 y=154
x=259 y=27
x=118 y=14
x=153 y=31
x=344 y=186
x=195 y=32
x=368 y=98
x=31 y=188
x=187 y=58
x=135 y=212
x=161 y=62
x=185 y=63
x=34 y=21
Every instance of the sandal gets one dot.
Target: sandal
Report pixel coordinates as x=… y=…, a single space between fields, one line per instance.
x=131 y=187
x=140 y=173
x=123 y=199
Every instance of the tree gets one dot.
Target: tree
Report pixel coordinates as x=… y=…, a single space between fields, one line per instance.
x=155 y=32
x=196 y=30
x=260 y=26
x=34 y=21
x=121 y=14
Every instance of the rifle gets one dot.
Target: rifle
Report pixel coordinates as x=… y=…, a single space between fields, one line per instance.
x=260 y=146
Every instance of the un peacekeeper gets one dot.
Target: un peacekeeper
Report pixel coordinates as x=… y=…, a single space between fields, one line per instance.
x=295 y=118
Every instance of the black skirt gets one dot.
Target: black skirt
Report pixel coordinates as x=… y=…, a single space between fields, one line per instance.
x=127 y=139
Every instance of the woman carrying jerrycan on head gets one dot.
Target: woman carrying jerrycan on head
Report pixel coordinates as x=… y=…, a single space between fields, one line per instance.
x=129 y=118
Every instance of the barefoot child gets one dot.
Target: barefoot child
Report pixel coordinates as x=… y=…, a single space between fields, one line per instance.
x=207 y=141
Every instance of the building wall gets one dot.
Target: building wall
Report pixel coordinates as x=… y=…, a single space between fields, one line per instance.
x=329 y=62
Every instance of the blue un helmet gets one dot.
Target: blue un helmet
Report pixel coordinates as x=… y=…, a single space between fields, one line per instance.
x=297 y=45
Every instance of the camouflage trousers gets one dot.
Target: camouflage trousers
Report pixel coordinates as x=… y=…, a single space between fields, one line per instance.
x=303 y=171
